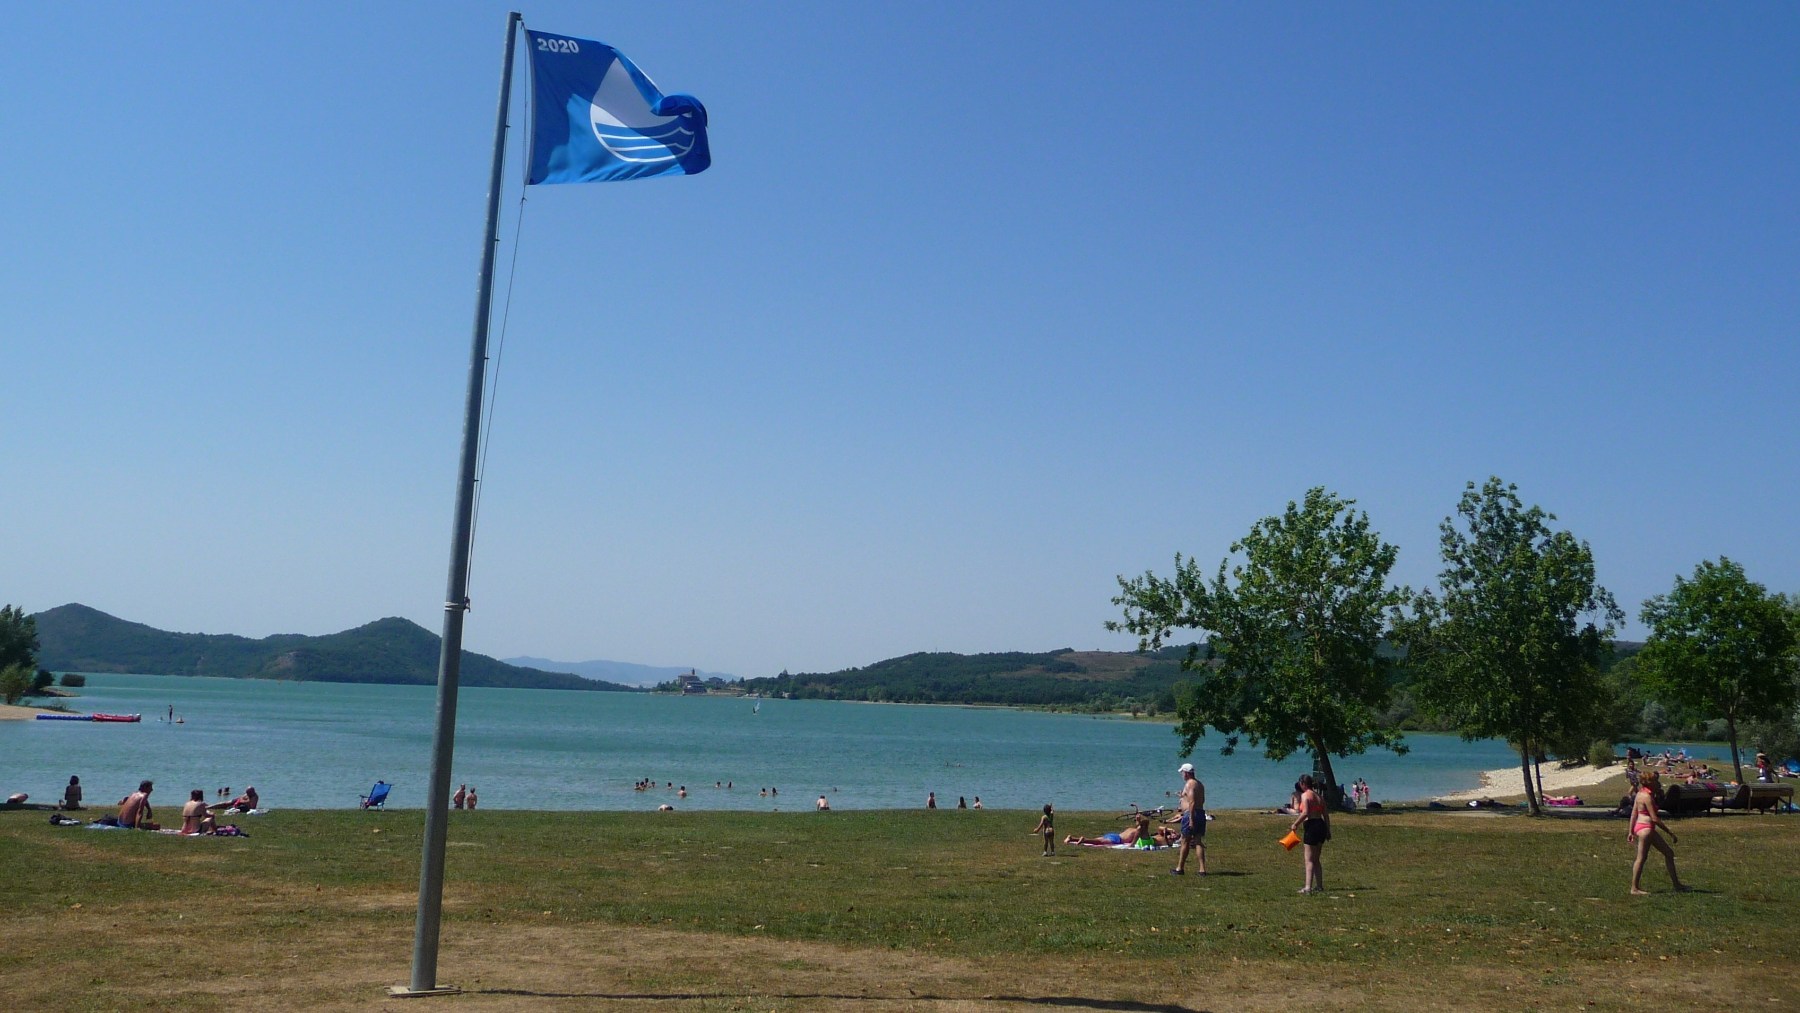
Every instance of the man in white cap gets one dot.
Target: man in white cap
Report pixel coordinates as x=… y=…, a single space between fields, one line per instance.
x=1192 y=817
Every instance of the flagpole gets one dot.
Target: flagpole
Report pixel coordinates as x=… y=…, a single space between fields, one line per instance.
x=456 y=598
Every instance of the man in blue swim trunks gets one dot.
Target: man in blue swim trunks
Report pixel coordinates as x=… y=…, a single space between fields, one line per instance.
x=1192 y=817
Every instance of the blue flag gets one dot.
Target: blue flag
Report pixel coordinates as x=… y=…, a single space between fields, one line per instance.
x=596 y=117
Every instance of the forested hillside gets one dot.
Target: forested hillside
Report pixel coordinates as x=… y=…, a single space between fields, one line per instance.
x=1064 y=679
x=75 y=638
x=1103 y=682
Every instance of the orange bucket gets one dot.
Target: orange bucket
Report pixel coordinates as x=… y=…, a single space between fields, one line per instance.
x=1290 y=840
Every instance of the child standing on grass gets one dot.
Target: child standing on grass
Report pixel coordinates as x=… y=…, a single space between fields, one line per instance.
x=1045 y=827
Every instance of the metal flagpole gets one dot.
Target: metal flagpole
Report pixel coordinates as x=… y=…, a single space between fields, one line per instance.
x=456 y=599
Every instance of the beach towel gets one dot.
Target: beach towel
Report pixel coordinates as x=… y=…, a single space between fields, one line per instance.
x=1138 y=847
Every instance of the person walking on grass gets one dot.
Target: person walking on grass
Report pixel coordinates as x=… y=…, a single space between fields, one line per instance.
x=1644 y=824
x=1192 y=817
x=1313 y=824
x=1046 y=826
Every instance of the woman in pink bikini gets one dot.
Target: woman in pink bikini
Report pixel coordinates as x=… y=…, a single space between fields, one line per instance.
x=1644 y=824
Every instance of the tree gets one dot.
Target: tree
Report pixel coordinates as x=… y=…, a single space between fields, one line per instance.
x=1722 y=642
x=15 y=682
x=1502 y=647
x=18 y=638
x=1292 y=659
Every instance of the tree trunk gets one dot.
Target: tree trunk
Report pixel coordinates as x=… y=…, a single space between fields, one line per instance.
x=1737 y=764
x=1537 y=767
x=1329 y=790
x=1525 y=769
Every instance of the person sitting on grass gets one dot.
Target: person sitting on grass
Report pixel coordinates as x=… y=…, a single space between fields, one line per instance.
x=196 y=816
x=246 y=802
x=72 y=794
x=134 y=809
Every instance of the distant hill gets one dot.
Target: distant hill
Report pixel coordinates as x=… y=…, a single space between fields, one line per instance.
x=1066 y=679
x=1084 y=680
x=614 y=671
x=76 y=638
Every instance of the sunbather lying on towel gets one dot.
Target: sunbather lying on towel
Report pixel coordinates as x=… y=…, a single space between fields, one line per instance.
x=1140 y=831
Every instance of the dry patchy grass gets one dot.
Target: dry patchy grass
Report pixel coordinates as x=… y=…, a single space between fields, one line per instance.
x=900 y=911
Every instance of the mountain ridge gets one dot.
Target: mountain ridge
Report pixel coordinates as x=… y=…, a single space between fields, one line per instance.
x=78 y=638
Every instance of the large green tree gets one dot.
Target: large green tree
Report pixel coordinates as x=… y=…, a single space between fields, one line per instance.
x=18 y=653
x=18 y=638
x=1722 y=642
x=1510 y=644
x=1293 y=655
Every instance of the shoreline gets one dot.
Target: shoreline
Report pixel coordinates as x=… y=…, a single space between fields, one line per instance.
x=22 y=712
x=1509 y=781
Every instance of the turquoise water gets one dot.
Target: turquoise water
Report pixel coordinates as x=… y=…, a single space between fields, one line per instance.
x=321 y=745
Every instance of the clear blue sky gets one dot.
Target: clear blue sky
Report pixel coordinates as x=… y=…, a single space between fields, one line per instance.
x=980 y=306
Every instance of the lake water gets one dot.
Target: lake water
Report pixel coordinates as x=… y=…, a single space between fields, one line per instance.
x=321 y=745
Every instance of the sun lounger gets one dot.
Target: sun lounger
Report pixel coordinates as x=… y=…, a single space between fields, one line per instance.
x=1735 y=798
x=1687 y=799
x=377 y=796
x=1763 y=797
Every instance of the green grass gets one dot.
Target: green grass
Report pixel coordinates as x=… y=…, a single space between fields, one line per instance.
x=1414 y=899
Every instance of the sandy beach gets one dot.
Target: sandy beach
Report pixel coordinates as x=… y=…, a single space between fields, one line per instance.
x=1557 y=781
x=14 y=712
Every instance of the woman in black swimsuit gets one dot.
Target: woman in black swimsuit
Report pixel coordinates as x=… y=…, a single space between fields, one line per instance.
x=1314 y=828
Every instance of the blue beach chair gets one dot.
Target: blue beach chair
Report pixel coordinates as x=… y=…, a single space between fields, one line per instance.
x=377 y=796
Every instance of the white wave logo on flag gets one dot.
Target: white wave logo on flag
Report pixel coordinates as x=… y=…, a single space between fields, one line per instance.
x=628 y=128
x=596 y=118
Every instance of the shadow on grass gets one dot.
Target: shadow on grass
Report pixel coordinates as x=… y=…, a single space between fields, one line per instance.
x=1067 y=1001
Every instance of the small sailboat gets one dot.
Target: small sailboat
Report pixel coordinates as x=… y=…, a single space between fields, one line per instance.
x=756 y=708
